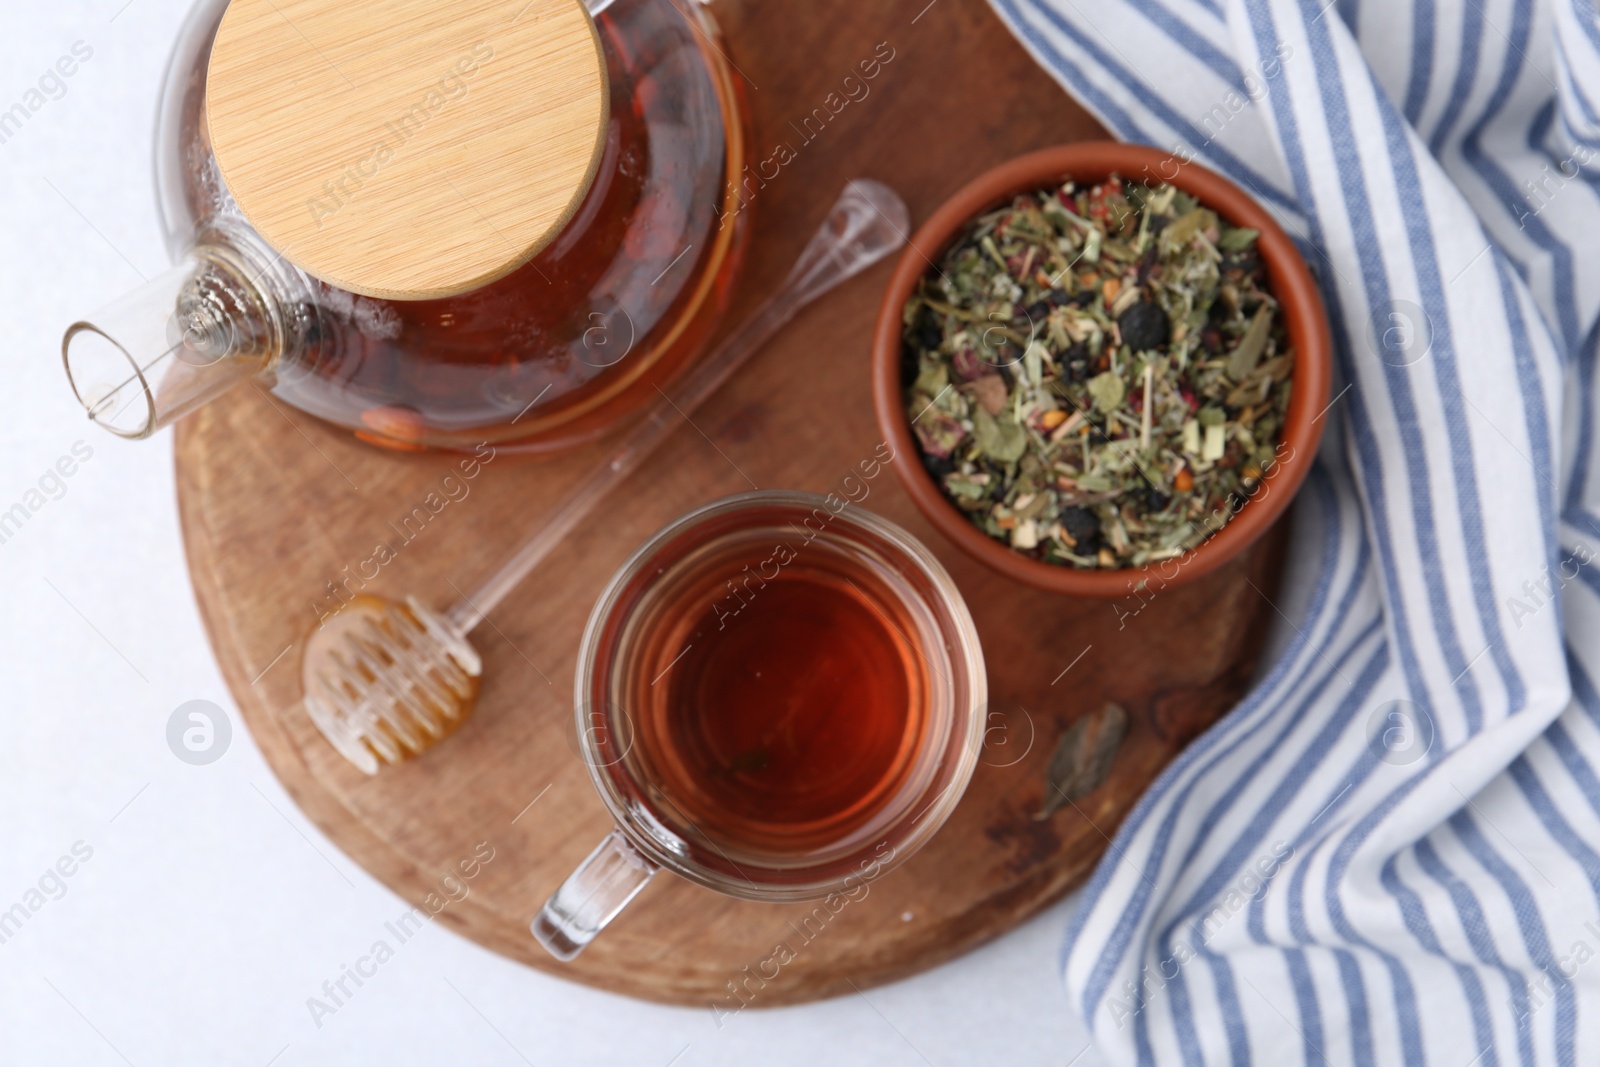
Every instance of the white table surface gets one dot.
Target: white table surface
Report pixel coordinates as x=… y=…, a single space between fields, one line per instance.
x=211 y=909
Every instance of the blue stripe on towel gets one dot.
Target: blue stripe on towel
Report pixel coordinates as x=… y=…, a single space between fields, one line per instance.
x=1424 y=904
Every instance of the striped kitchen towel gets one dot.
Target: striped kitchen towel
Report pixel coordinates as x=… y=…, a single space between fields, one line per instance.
x=1390 y=852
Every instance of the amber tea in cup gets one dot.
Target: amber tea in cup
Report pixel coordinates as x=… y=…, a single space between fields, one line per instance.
x=797 y=698
x=777 y=697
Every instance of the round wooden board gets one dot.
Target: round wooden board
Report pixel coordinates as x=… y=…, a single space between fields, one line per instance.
x=276 y=506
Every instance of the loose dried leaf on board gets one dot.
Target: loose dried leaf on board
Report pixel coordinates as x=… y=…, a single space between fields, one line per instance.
x=1083 y=758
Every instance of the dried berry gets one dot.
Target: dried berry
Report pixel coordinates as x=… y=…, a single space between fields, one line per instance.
x=1083 y=526
x=1144 y=327
x=1154 y=499
x=1075 y=363
x=1034 y=314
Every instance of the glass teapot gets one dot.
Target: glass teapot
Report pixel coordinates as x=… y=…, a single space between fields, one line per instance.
x=436 y=223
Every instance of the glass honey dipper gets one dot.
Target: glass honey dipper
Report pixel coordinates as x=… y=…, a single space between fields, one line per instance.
x=386 y=680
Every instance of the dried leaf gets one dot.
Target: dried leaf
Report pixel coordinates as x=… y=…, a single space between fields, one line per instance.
x=1238 y=240
x=1083 y=758
x=932 y=380
x=1182 y=230
x=999 y=439
x=1108 y=391
x=1251 y=345
x=965 y=488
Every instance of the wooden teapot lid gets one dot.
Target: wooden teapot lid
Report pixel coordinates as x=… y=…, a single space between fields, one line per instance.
x=407 y=149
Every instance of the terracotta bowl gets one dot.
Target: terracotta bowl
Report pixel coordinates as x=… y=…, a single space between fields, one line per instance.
x=1287 y=277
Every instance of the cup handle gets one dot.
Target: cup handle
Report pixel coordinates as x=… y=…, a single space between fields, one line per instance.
x=591 y=897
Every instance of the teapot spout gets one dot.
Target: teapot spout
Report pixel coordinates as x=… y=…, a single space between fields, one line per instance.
x=174 y=344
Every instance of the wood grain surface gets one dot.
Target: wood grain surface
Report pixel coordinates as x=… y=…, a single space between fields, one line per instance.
x=389 y=148
x=275 y=506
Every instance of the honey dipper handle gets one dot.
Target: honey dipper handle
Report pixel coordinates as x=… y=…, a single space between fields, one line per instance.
x=867 y=223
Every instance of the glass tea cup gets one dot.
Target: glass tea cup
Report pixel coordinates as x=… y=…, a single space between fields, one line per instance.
x=778 y=698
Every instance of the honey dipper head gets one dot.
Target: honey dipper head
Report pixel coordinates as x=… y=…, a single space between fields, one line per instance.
x=385 y=681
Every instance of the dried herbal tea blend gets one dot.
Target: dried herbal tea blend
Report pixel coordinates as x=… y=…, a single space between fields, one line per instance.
x=1098 y=375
